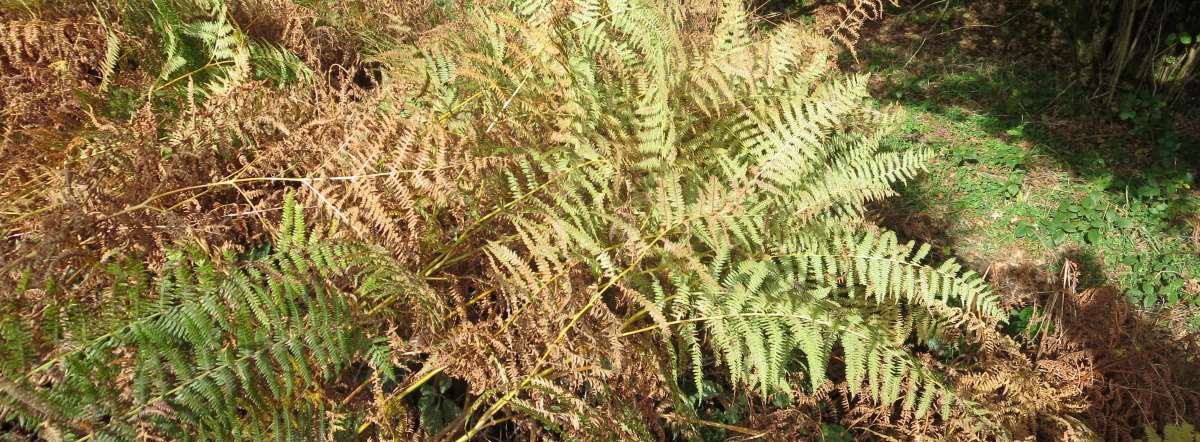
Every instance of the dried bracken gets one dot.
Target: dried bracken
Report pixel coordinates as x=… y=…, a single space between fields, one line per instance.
x=598 y=220
x=1087 y=377
x=842 y=21
x=42 y=66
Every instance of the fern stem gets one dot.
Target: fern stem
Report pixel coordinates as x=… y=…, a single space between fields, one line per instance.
x=234 y=181
x=642 y=312
x=211 y=64
x=462 y=237
x=717 y=317
x=562 y=334
x=755 y=434
x=39 y=407
x=403 y=393
x=111 y=334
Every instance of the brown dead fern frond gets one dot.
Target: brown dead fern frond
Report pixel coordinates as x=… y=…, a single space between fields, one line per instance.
x=43 y=65
x=844 y=21
x=391 y=179
x=1147 y=375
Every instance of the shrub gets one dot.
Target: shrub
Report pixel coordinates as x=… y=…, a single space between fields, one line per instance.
x=584 y=211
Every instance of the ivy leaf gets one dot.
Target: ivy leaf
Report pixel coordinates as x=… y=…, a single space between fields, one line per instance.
x=435 y=408
x=1150 y=300
x=1059 y=237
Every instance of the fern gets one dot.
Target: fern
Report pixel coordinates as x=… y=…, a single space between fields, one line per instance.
x=112 y=50
x=278 y=64
x=621 y=204
x=199 y=41
x=738 y=227
x=233 y=346
x=1172 y=433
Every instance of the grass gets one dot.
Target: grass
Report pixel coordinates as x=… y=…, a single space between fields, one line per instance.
x=1029 y=168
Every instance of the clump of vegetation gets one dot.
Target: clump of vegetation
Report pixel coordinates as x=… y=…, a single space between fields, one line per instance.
x=559 y=219
x=516 y=199
x=1071 y=202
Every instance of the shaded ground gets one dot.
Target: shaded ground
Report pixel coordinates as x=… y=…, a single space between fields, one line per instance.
x=1083 y=213
x=1026 y=164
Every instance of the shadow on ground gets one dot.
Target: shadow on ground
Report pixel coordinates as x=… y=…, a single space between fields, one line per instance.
x=1084 y=353
x=1124 y=368
x=949 y=56
x=1093 y=356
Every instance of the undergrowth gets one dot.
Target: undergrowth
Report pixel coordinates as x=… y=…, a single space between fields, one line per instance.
x=1069 y=205
x=476 y=220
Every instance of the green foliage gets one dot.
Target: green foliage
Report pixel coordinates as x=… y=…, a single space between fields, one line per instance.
x=1172 y=433
x=279 y=65
x=1005 y=159
x=1086 y=220
x=724 y=187
x=715 y=402
x=1130 y=224
x=1149 y=277
x=1022 y=321
x=1161 y=197
x=1116 y=41
x=697 y=193
x=201 y=44
x=436 y=406
x=1142 y=109
x=241 y=345
x=1154 y=278
x=835 y=433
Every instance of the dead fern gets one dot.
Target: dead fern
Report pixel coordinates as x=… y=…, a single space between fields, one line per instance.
x=843 y=22
x=584 y=215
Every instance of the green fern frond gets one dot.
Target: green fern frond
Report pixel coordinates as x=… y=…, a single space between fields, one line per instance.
x=236 y=346
x=1172 y=433
x=278 y=64
x=732 y=179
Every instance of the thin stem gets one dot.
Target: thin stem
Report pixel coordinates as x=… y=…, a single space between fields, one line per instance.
x=712 y=318
x=754 y=434
x=234 y=181
x=462 y=237
x=562 y=334
x=411 y=388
